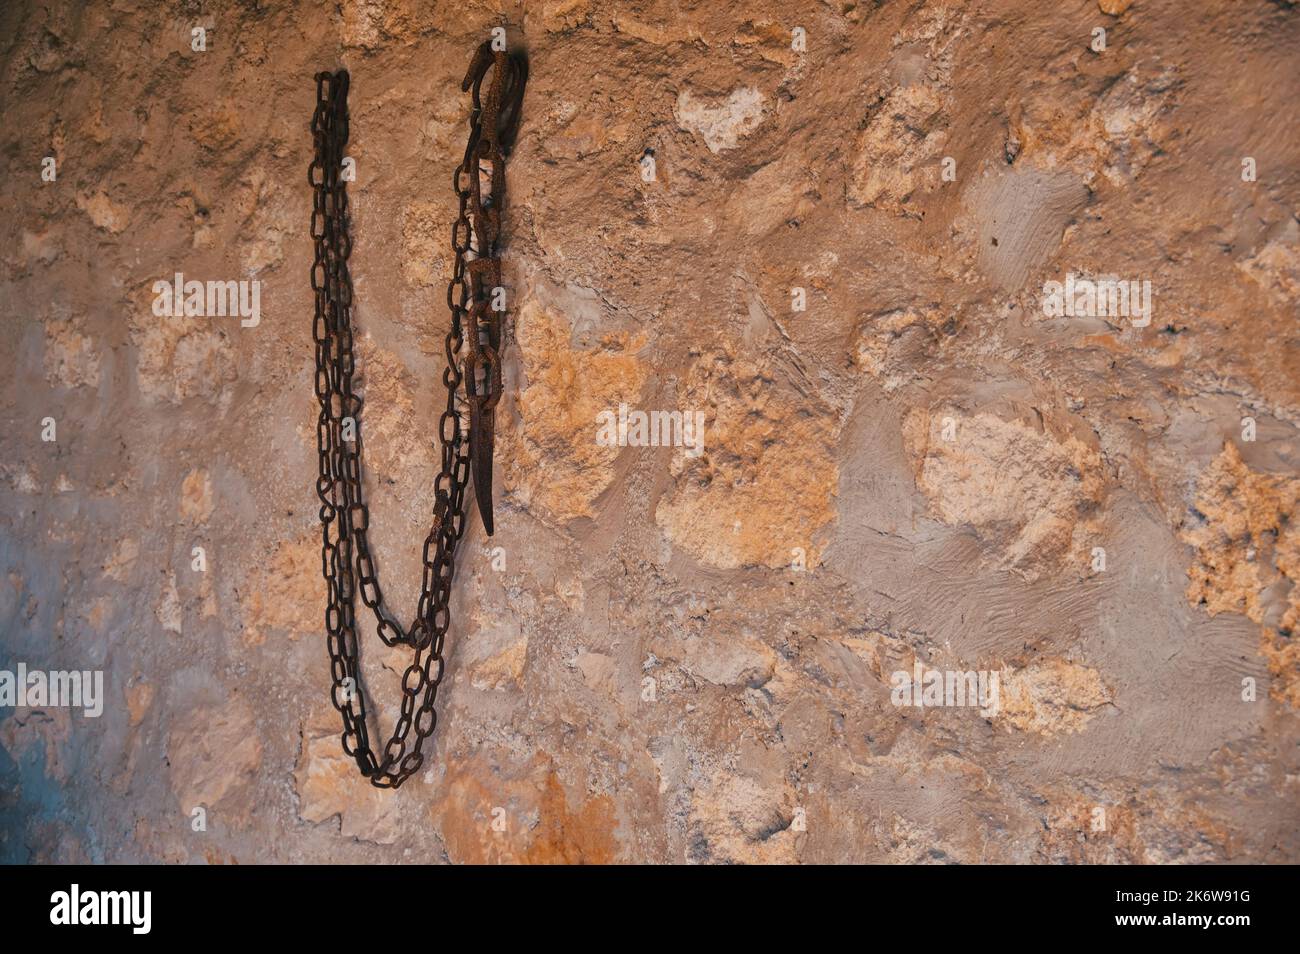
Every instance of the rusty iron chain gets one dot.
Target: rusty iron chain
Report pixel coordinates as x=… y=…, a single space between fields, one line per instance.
x=473 y=347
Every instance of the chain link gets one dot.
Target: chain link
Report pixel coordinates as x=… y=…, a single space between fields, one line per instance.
x=472 y=348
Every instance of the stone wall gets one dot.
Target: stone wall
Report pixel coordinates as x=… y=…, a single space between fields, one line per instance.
x=673 y=654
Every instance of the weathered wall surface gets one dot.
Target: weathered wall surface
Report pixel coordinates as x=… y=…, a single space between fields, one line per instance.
x=670 y=657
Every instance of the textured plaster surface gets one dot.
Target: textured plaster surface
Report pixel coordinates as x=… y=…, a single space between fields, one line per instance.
x=661 y=655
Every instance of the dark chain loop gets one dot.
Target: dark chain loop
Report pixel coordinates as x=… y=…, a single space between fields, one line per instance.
x=474 y=340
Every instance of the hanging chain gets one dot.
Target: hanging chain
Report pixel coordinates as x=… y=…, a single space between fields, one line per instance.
x=476 y=301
